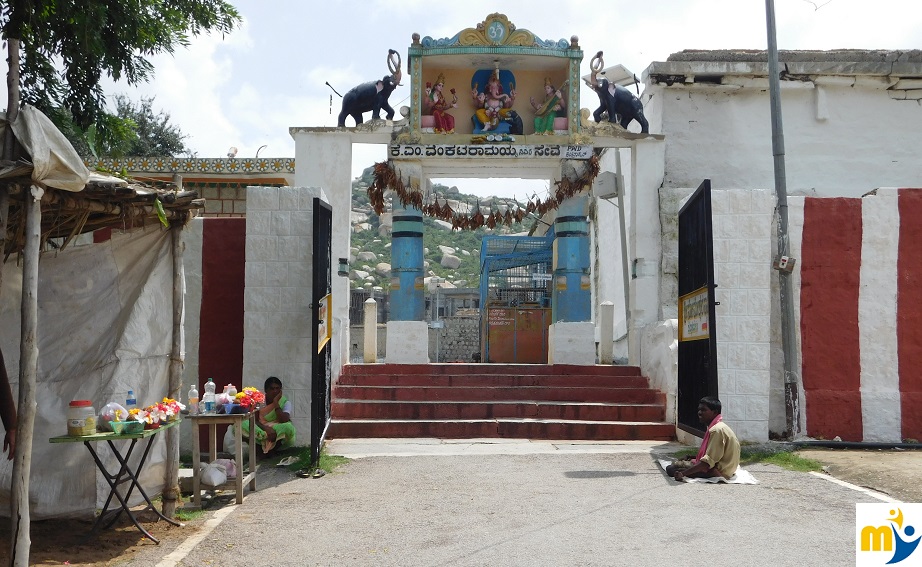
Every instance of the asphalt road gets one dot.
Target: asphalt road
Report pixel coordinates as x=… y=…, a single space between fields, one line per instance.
x=564 y=508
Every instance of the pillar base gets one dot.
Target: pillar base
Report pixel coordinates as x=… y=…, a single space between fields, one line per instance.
x=571 y=343
x=407 y=342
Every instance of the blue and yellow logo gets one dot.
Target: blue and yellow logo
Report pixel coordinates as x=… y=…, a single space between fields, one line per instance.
x=882 y=531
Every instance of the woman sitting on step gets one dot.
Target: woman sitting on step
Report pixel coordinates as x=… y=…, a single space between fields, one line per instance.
x=273 y=422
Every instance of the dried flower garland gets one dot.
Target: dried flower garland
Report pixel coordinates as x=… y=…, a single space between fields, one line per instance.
x=386 y=178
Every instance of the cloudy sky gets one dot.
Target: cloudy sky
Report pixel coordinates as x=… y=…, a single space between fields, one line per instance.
x=246 y=89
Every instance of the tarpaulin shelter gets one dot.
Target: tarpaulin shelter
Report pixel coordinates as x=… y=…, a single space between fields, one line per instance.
x=87 y=321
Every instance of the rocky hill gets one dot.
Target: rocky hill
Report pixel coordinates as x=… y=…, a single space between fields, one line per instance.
x=450 y=254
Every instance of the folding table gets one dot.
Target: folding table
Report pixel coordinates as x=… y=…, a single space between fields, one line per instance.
x=124 y=474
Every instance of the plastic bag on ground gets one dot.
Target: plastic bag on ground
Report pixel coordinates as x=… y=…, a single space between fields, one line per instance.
x=230 y=443
x=213 y=474
x=230 y=468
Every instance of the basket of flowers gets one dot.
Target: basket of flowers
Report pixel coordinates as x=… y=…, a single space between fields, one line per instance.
x=171 y=409
x=123 y=422
x=146 y=416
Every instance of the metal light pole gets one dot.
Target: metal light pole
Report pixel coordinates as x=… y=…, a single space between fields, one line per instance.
x=788 y=332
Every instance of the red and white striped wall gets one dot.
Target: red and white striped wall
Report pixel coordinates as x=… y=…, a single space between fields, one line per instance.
x=860 y=274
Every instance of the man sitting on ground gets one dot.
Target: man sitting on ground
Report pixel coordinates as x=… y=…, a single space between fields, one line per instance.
x=719 y=454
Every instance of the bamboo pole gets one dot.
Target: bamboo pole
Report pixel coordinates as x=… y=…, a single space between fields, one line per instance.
x=12 y=105
x=20 y=520
x=12 y=94
x=28 y=366
x=171 y=476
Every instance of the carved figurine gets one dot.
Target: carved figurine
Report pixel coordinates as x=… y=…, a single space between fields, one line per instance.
x=372 y=95
x=437 y=105
x=552 y=107
x=494 y=107
x=617 y=100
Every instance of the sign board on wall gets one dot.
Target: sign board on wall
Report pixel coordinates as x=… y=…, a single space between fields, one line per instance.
x=694 y=315
x=489 y=150
x=324 y=329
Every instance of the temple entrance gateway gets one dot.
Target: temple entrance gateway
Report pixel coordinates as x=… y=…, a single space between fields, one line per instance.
x=475 y=103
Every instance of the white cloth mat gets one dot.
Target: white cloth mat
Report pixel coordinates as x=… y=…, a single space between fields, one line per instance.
x=740 y=477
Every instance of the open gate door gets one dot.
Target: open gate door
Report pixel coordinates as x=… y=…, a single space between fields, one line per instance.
x=321 y=307
x=697 y=332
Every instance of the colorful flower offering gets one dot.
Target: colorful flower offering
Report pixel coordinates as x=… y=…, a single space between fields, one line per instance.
x=249 y=398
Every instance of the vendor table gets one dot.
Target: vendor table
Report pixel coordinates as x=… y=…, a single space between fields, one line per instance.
x=124 y=474
x=212 y=420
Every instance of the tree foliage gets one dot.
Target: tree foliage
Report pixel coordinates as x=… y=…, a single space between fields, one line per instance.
x=152 y=135
x=133 y=130
x=68 y=46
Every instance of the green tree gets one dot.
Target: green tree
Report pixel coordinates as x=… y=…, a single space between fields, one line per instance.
x=149 y=135
x=58 y=52
x=68 y=46
x=134 y=130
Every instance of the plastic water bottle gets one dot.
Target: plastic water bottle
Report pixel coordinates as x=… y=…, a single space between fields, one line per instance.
x=193 y=400
x=208 y=399
x=131 y=402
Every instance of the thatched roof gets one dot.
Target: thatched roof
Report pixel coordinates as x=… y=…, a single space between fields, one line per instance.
x=105 y=202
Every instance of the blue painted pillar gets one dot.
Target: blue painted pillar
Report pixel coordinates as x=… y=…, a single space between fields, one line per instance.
x=572 y=296
x=407 y=302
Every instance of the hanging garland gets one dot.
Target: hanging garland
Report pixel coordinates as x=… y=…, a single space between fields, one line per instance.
x=386 y=178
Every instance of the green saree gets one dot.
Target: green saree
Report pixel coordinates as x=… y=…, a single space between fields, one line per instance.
x=284 y=432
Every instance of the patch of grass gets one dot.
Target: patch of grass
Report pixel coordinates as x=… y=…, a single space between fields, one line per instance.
x=328 y=462
x=331 y=462
x=783 y=459
x=748 y=456
x=184 y=515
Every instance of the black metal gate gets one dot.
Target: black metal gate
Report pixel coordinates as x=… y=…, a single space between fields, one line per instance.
x=697 y=332
x=321 y=309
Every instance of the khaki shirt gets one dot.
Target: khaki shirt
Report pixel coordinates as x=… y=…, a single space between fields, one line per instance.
x=723 y=450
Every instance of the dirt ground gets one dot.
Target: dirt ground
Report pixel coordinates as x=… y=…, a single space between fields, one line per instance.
x=60 y=542
x=895 y=473
x=70 y=542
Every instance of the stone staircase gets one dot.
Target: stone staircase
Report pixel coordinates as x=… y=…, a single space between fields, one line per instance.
x=523 y=401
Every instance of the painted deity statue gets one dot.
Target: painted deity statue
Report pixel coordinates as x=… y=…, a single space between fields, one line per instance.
x=438 y=105
x=547 y=111
x=493 y=104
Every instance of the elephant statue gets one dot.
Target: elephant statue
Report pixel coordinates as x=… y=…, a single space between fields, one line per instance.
x=621 y=104
x=372 y=95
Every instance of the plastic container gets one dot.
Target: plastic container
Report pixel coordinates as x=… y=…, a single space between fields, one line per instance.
x=131 y=402
x=81 y=418
x=193 y=400
x=208 y=400
x=126 y=427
